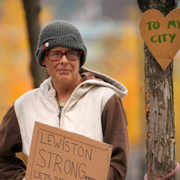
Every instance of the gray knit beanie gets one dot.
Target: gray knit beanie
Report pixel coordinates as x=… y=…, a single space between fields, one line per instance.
x=60 y=33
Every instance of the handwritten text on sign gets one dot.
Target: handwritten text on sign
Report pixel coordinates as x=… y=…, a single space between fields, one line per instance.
x=161 y=34
x=57 y=154
x=163 y=37
x=52 y=160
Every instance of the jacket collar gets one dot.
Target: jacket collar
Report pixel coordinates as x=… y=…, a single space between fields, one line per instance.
x=90 y=79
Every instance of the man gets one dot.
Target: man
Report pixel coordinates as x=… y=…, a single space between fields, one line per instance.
x=73 y=98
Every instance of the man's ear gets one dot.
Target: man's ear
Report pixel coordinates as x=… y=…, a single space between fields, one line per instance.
x=42 y=62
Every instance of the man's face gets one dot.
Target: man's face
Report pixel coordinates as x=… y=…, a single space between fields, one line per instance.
x=62 y=71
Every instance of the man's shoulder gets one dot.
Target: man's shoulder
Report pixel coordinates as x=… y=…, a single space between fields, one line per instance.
x=28 y=96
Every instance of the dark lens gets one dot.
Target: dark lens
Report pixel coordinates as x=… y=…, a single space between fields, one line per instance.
x=73 y=55
x=54 y=56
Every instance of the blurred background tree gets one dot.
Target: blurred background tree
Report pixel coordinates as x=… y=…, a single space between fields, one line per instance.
x=111 y=33
x=32 y=9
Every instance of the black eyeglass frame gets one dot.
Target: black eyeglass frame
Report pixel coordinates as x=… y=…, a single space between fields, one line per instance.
x=62 y=54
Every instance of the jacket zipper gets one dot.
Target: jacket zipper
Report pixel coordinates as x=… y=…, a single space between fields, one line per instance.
x=59 y=115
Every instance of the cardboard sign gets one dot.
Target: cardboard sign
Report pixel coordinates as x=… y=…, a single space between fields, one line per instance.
x=161 y=34
x=56 y=154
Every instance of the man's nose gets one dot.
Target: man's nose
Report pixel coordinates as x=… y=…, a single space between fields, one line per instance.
x=63 y=59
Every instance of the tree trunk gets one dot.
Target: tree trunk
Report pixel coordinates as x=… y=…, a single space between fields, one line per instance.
x=159 y=106
x=32 y=9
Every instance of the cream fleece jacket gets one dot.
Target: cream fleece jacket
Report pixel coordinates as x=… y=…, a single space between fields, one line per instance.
x=93 y=110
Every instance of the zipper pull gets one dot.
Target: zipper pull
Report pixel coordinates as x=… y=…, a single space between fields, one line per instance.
x=59 y=115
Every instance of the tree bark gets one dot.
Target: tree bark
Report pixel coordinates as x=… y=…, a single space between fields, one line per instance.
x=32 y=9
x=159 y=106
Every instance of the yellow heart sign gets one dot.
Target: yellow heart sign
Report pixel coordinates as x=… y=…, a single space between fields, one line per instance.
x=161 y=34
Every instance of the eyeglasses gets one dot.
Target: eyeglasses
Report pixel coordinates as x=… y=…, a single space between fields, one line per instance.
x=57 y=55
